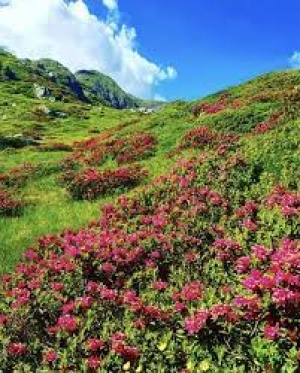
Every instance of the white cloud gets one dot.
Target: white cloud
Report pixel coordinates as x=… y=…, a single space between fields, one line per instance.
x=71 y=34
x=111 y=4
x=295 y=60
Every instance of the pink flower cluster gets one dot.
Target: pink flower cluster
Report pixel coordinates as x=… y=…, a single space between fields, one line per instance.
x=190 y=292
x=193 y=324
x=268 y=125
x=9 y=206
x=226 y=249
x=276 y=281
x=126 y=149
x=289 y=203
x=202 y=136
x=212 y=107
x=90 y=183
x=110 y=295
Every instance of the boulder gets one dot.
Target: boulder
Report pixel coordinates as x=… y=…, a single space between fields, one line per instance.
x=41 y=92
x=17 y=141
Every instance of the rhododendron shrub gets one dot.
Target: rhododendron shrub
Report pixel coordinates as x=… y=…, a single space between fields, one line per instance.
x=133 y=148
x=202 y=137
x=9 y=206
x=18 y=177
x=223 y=102
x=173 y=278
x=90 y=184
x=268 y=124
x=125 y=149
x=199 y=136
x=220 y=104
x=286 y=201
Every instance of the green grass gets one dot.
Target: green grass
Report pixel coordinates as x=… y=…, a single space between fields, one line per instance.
x=50 y=211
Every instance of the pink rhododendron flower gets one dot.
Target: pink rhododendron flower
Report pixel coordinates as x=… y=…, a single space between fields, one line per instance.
x=94 y=344
x=50 y=356
x=242 y=264
x=17 y=349
x=94 y=362
x=271 y=332
x=67 y=323
x=192 y=291
x=160 y=285
x=193 y=324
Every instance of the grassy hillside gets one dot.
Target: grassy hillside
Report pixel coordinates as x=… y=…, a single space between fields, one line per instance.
x=49 y=80
x=180 y=243
x=25 y=77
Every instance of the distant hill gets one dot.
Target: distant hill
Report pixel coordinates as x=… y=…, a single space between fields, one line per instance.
x=98 y=86
x=49 y=79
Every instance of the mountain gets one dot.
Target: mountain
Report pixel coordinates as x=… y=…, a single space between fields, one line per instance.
x=98 y=86
x=59 y=75
x=49 y=79
x=38 y=79
x=166 y=242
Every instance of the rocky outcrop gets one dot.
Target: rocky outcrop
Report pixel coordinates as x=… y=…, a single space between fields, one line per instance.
x=17 y=141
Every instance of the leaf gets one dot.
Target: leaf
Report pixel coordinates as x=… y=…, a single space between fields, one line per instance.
x=204 y=366
x=126 y=366
x=162 y=345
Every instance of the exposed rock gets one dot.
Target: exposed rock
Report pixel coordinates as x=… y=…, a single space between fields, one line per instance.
x=41 y=92
x=60 y=114
x=17 y=141
x=51 y=112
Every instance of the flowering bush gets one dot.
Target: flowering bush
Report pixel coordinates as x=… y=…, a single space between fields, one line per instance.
x=288 y=202
x=16 y=178
x=212 y=107
x=19 y=176
x=90 y=183
x=135 y=148
x=126 y=149
x=170 y=279
x=267 y=125
x=9 y=206
x=203 y=136
x=198 y=137
x=223 y=102
x=272 y=279
x=208 y=108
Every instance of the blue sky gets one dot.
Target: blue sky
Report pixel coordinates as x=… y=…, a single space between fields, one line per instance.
x=158 y=48
x=213 y=43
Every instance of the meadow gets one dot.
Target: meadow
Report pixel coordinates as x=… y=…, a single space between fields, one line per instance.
x=162 y=242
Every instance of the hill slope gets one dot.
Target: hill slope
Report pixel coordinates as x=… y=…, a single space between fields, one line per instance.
x=49 y=79
x=98 y=86
x=192 y=264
